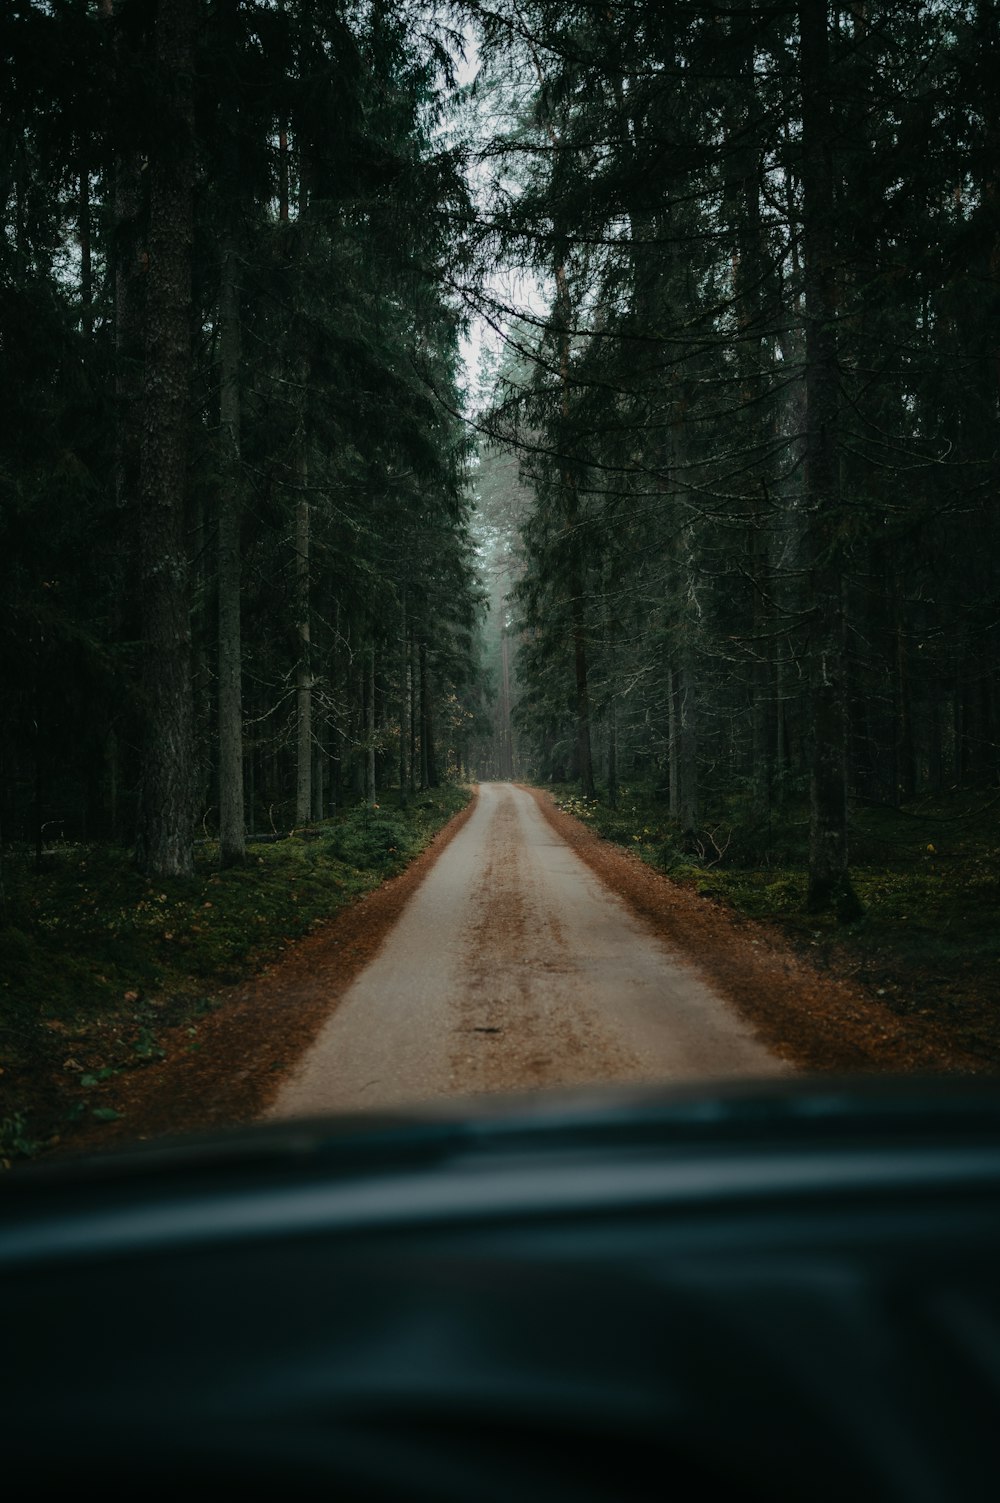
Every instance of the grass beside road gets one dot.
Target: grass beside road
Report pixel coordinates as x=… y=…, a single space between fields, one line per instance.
x=928 y=875
x=97 y=961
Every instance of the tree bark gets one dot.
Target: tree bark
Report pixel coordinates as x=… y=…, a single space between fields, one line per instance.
x=404 y=703
x=763 y=731
x=585 y=760
x=613 y=753
x=413 y=677
x=165 y=835
x=506 y=737
x=128 y=264
x=232 y=849
x=303 y=673
x=687 y=752
x=829 y=878
x=673 y=744
x=370 y=798
x=576 y=575
x=428 y=767
x=318 y=779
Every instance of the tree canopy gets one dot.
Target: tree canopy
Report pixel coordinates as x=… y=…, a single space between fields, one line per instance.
x=759 y=405
x=729 y=484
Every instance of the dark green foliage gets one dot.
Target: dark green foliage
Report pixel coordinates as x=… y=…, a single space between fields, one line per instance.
x=755 y=559
x=374 y=841
x=316 y=149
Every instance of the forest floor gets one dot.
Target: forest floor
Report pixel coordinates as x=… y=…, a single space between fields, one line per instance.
x=131 y=1010
x=110 y=983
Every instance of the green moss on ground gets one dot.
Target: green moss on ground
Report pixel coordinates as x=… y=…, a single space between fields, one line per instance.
x=928 y=876
x=96 y=960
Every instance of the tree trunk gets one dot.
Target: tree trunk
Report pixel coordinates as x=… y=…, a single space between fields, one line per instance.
x=763 y=734
x=232 y=849
x=613 y=754
x=413 y=678
x=673 y=743
x=128 y=264
x=687 y=751
x=318 y=778
x=204 y=637
x=356 y=697
x=303 y=675
x=935 y=750
x=251 y=790
x=370 y=797
x=428 y=777
x=506 y=768
x=404 y=703
x=112 y=770
x=303 y=672
x=585 y=762
x=165 y=834
x=829 y=879
x=906 y=763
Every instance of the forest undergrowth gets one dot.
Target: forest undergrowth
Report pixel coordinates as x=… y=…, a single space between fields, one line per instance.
x=928 y=874
x=98 y=962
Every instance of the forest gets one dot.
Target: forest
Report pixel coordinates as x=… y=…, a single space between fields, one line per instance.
x=238 y=573
x=752 y=406
x=605 y=395
x=758 y=412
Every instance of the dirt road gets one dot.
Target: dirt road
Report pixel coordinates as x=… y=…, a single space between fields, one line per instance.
x=514 y=967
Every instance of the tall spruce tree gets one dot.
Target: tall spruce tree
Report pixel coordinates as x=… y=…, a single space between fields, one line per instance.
x=167 y=813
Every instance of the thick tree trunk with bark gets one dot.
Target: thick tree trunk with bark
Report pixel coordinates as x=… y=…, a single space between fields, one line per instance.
x=127 y=263
x=829 y=880
x=687 y=751
x=318 y=779
x=232 y=849
x=165 y=833
x=303 y=520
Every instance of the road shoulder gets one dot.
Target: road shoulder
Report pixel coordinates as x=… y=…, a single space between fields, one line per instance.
x=246 y=1048
x=813 y=1021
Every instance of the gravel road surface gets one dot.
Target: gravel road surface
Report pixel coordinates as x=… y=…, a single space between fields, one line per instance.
x=513 y=967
